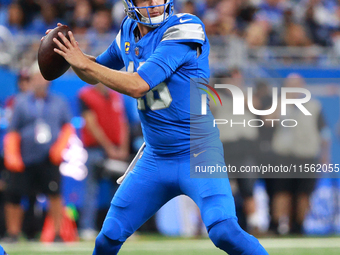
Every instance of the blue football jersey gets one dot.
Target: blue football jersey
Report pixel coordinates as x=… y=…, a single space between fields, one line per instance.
x=167 y=58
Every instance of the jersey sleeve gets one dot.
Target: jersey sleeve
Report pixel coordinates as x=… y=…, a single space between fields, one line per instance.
x=112 y=57
x=167 y=57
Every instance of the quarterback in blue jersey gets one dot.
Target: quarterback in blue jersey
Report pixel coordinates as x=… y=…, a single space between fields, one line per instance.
x=161 y=52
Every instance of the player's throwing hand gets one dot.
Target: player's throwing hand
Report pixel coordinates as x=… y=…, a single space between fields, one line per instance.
x=71 y=51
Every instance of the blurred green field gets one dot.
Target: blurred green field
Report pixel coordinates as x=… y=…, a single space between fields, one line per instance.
x=167 y=246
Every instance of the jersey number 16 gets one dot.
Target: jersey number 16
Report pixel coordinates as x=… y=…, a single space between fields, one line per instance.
x=156 y=99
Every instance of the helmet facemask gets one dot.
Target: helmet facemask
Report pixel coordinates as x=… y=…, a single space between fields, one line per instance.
x=134 y=13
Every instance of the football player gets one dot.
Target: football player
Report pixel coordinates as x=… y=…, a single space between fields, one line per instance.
x=161 y=52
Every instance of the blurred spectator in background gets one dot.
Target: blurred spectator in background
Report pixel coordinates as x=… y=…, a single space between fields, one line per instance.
x=105 y=136
x=265 y=154
x=189 y=7
x=263 y=98
x=29 y=226
x=250 y=23
x=227 y=13
x=271 y=16
x=101 y=22
x=256 y=35
x=82 y=16
x=24 y=86
x=229 y=17
x=31 y=10
x=245 y=15
x=99 y=34
x=320 y=18
x=307 y=143
x=210 y=8
x=5 y=117
x=101 y=4
x=64 y=9
x=15 y=19
x=222 y=19
x=239 y=145
x=38 y=133
x=46 y=19
x=294 y=34
x=210 y=18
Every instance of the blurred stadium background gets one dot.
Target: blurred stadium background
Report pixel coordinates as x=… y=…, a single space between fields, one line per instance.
x=263 y=38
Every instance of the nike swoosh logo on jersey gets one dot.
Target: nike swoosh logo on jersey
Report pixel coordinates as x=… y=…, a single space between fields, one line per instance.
x=184 y=20
x=196 y=154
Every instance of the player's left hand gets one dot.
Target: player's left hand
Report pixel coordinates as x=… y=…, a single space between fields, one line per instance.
x=71 y=51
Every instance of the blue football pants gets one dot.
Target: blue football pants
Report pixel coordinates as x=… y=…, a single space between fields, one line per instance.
x=153 y=182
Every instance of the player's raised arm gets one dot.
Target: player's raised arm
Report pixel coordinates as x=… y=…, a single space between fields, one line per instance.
x=83 y=75
x=126 y=83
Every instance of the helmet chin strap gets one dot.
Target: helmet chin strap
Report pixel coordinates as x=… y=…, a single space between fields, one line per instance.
x=153 y=20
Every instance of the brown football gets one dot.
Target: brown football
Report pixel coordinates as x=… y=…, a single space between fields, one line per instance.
x=51 y=64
